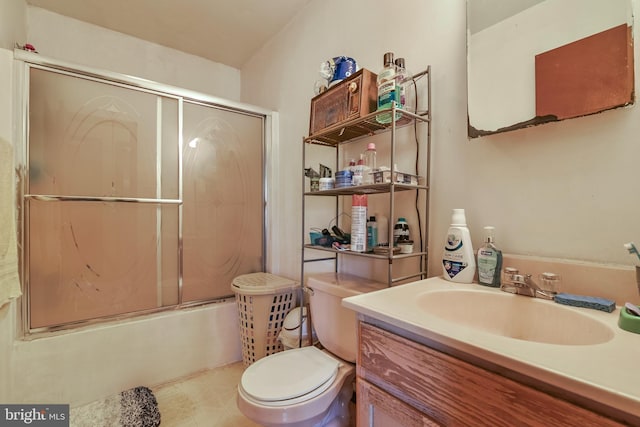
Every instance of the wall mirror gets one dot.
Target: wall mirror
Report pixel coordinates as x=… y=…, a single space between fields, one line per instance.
x=535 y=61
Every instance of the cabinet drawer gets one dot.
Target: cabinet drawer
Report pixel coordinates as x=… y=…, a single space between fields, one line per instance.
x=379 y=409
x=456 y=393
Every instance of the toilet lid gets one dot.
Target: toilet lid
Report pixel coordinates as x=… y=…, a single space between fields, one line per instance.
x=289 y=374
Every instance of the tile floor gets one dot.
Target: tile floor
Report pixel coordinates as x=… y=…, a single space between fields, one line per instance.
x=206 y=399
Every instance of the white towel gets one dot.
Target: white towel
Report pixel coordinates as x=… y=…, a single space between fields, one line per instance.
x=9 y=280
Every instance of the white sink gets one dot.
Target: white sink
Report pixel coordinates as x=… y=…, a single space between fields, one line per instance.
x=514 y=316
x=576 y=350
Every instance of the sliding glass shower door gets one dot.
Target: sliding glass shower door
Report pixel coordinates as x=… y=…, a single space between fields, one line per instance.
x=223 y=193
x=120 y=218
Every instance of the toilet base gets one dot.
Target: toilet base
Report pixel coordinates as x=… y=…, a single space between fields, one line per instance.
x=330 y=409
x=341 y=412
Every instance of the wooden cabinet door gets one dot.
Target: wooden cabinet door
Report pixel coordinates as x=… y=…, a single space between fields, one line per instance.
x=454 y=392
x=377 y=408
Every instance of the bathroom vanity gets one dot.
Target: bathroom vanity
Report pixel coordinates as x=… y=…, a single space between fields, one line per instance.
x=418 y=367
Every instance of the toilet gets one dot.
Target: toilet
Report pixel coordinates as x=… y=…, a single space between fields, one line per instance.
x=308 y=386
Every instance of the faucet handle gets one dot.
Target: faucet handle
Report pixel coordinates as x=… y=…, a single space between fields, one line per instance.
x=550 y=282
x=508 y=274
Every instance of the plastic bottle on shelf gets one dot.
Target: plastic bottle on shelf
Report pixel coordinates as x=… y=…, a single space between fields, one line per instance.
x=401 y=75
x=372 y=233
x=358 y=172
x=458 y=258
x=369 y=157
x=406 y=86
x=359 y=222
x=352 y=166
x=383 y=229
x=388 y=92
x=400 y=231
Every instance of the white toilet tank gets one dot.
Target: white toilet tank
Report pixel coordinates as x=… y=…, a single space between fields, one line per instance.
x=335 y=325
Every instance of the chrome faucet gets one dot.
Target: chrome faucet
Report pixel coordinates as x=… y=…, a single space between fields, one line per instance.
x=523 y=284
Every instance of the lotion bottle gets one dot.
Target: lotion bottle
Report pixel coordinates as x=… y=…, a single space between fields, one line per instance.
x=372 y=234
x=489 y=261
x=383 y=229
x=458 y=257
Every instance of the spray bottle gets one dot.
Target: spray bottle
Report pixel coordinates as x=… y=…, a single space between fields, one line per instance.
x=359 y=223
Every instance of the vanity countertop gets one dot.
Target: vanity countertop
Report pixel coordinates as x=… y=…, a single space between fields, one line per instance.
x=605 y=374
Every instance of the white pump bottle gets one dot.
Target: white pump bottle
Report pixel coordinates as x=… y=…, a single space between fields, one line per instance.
x=458 y=260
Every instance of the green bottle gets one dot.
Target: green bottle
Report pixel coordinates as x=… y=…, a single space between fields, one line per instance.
x=388 y=90
x=489 y=261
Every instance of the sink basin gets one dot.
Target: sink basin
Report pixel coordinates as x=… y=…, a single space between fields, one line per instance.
x=514 y=316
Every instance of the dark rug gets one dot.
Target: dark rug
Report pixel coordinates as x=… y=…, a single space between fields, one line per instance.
x=136 y=407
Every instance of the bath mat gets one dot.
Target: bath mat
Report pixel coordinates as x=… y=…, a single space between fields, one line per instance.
x=136 y=407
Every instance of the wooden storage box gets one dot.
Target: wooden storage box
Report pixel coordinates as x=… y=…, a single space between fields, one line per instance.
x=352 y=98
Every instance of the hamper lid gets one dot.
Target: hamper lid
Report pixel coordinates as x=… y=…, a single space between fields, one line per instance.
x=261 y=283
x=289 y=335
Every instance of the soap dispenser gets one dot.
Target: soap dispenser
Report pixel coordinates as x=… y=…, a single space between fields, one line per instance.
x=489 y=261
x=458 y=257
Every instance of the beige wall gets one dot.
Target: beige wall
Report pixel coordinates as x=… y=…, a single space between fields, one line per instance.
x=13 y=20
x=282 y=77
x=563 y=190
x=70 y=40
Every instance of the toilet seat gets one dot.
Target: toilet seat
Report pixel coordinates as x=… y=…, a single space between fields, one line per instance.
x=289 y=377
